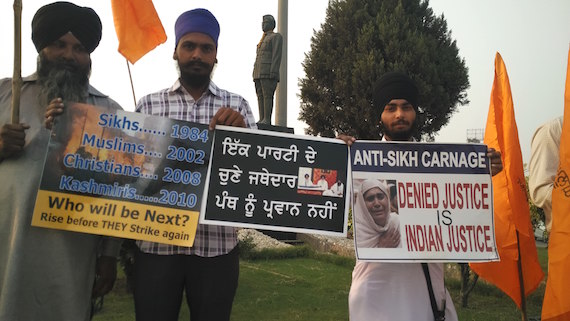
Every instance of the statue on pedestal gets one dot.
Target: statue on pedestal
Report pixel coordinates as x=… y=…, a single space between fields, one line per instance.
x=266 y=68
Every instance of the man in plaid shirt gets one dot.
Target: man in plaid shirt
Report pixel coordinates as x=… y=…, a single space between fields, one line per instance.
x=209 y=270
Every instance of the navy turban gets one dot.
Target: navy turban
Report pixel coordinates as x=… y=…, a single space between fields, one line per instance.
x=197 y=20
x=56 y=19
x=395 y=85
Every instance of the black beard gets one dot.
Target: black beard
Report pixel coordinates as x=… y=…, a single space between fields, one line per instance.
x=401 y=136
x=192 y=79
x=62 y=79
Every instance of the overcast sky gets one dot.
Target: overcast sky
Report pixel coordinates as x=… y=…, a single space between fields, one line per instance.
x=532 y=36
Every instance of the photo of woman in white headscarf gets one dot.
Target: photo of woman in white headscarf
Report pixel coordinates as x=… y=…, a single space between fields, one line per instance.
x=376 y=224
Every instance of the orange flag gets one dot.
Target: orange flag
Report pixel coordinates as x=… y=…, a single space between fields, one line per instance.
x=556 y=305
x=138 y=27
x=513 y=229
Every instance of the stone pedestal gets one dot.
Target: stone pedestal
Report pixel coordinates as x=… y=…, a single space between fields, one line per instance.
x=274 y=128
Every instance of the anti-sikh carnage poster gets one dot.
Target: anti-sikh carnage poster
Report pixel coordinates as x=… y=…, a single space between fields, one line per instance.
x=422 y=202
x=277 y=181
x=124 y=174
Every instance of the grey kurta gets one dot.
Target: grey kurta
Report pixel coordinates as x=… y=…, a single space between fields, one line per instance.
x=45 y=274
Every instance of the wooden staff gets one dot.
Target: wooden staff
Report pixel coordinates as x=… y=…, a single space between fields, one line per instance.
x=17 y=77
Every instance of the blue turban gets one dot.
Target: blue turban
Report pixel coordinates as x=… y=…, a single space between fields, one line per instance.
x=56 y=19
x=197 y=20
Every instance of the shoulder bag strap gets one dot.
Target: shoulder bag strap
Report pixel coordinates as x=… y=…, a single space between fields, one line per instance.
x=437 y=314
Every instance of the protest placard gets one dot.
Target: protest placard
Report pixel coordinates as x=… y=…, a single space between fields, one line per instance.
x=277 y=181
x=123 y=174
x=438 y=199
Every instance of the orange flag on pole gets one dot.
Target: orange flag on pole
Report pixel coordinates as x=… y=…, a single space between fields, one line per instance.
x=513 y=229
x=138 y=27
x=556 y=305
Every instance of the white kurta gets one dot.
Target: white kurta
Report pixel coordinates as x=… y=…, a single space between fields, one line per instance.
x=396 y=292
x=45 y=274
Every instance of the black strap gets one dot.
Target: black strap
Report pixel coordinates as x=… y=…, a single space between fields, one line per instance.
x=437 y=314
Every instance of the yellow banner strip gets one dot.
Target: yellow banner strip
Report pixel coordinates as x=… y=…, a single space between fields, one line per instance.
x=122 y=219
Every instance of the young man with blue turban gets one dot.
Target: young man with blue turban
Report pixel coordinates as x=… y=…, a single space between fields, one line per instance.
x=208 y=271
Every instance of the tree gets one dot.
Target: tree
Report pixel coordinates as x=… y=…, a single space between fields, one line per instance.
x=359 y=41
x=536 y=213
x=467 y=283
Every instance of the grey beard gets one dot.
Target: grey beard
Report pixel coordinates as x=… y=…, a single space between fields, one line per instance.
x=62 y=79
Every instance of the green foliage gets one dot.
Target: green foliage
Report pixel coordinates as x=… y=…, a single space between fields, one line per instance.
x=359 y=41
x=536 y=213
x=301 y=251
x=246 y=247
x=279 y=253
x=350 y=228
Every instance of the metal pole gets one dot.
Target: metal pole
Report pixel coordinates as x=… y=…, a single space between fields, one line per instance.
x=281 y=92
x=132 y=85
x=524 y=314
x=17 y=76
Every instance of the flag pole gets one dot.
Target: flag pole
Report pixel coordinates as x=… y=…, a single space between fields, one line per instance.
x=132 y=85
x=17 y=76
x=521 y=281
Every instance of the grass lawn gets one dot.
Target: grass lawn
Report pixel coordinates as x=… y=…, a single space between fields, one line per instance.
x=298 y=284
